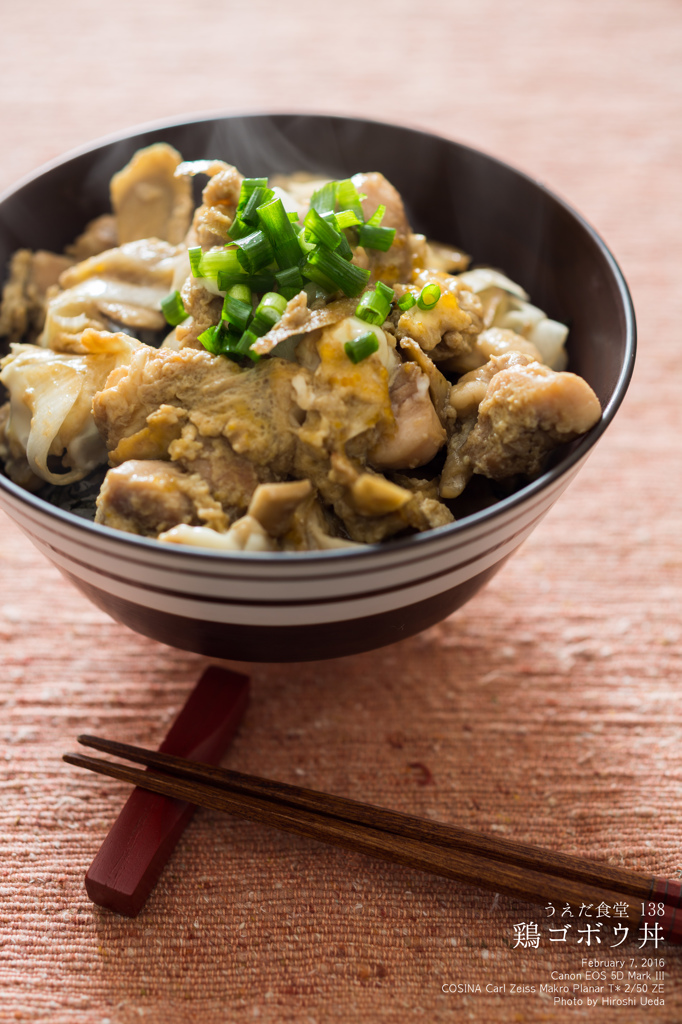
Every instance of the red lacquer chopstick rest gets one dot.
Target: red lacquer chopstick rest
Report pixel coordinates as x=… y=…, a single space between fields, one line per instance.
x=144 y=835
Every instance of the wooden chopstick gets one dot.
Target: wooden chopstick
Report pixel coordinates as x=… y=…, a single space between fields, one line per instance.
x=537 y=859
x=440 y=849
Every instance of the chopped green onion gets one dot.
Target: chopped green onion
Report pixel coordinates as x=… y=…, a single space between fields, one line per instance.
x=280 y=233
x=375 y=305
x=173 y=309
x=385 y=290
x=237 y=307
x=322 y=282
x=343 y=248
x=289 y=278
x=256 y=282
x=239 y=228
x=346 y=219
x=290 y=282
x=195 y=253
x=269 y=311
x=346 y=276
x=315 y=292
x=243 y=346
x=371 y=237
x=255 y=252
x=293 y=217
x=305 y=247
x=429 y=296
x=222 y=342
x=215 y=339
x=240 y=290
x=249 y=185
x=273 y=300
x=324 y=199
x=208 y=339
x=347 y=198
x=217 y=260
x=253 y=191
x=377 y=217
x=359 y=348
x=407 y=301
x=319 y=229
x=259 y=197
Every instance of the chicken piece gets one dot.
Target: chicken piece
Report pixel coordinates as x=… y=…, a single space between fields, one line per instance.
x=417 y=434
x=213 y=219
x=506 y=305
x=24 y=296
x=465 y=398
x=346 y=401
x=149 y=200
x=210 y=227
x=255 y=410
x=430 y=255
x=439 y=385
x=99 y=235
x=471 y=388
x=495 y=341
x=427 y=326
x=526 y=410
x=348 y=409
x=396 y=264
x=148 y=496
x=231 y=477
x=235 y=428
x=154 y=380
x=204 y=308
x=448 y=329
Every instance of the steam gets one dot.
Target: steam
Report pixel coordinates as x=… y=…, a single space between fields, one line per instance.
x=451 y=193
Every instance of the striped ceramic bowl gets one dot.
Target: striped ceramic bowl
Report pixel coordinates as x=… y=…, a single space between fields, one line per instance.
x=302 y=606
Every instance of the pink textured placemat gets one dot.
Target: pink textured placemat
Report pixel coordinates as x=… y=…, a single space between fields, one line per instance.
x=547 y=710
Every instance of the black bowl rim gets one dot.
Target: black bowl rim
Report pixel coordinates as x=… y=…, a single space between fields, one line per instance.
x=420 y=540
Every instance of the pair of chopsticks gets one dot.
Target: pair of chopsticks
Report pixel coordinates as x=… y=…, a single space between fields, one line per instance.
x=503 y=866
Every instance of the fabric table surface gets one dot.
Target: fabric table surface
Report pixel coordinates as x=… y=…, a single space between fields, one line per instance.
x=547 y=710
